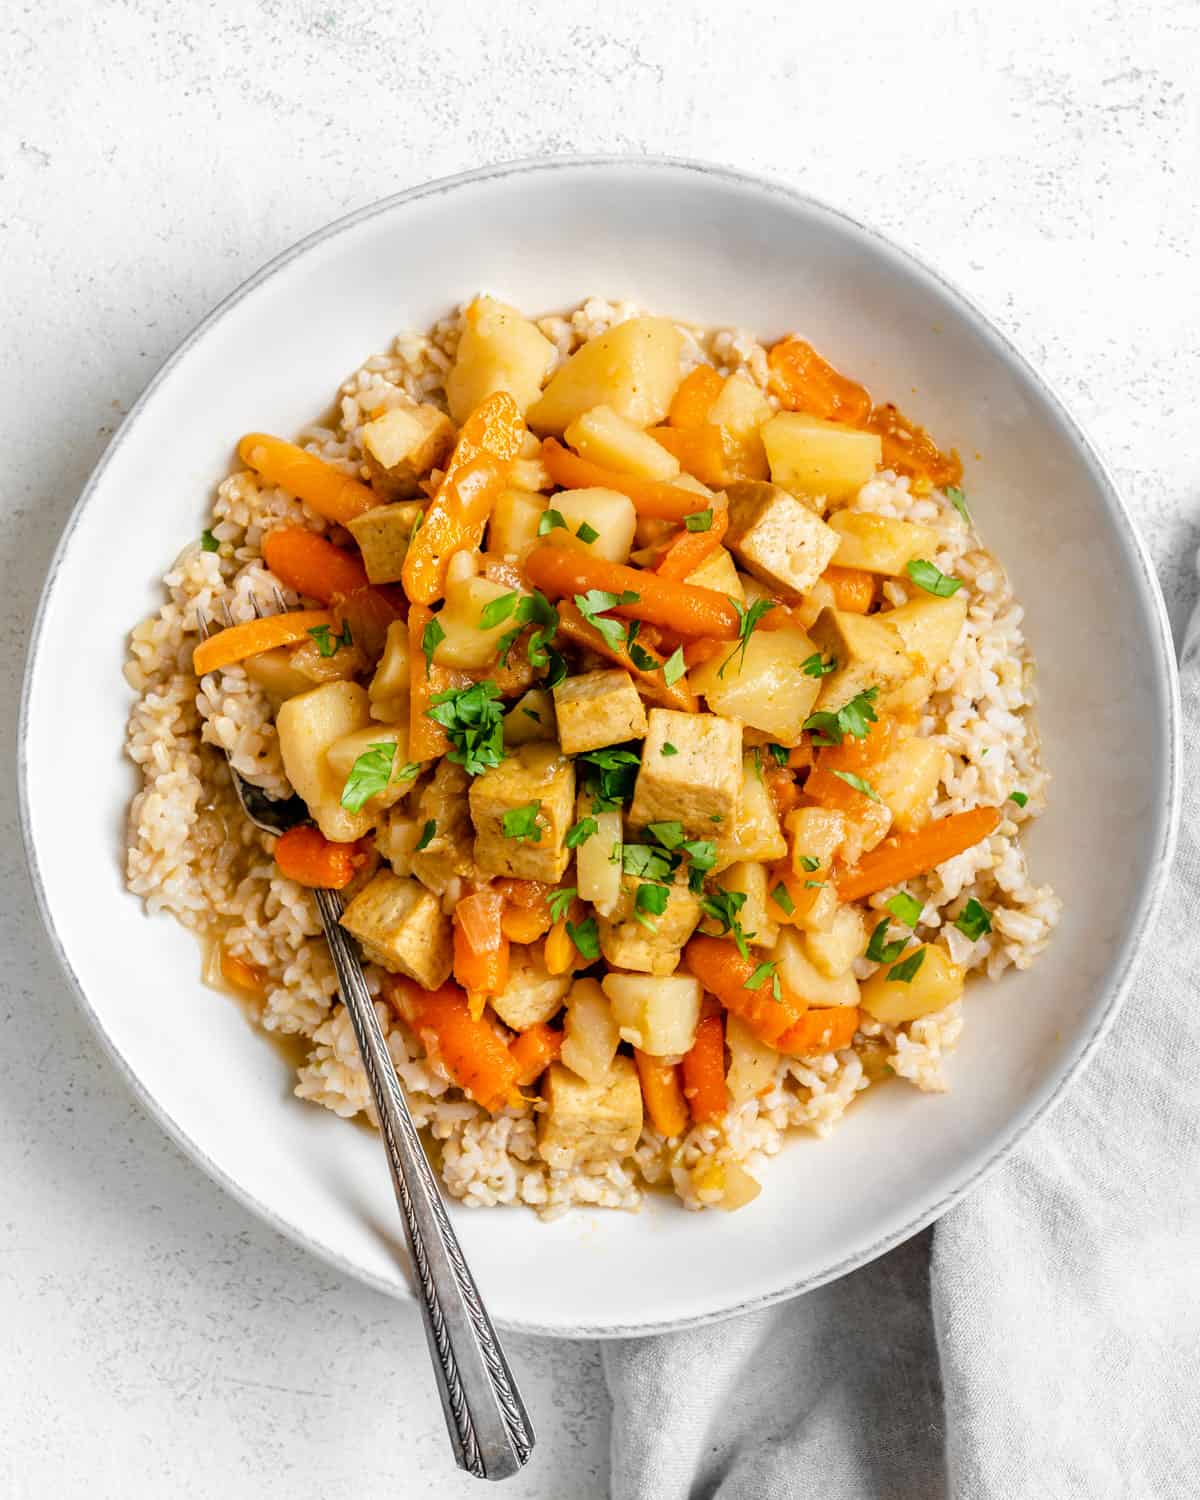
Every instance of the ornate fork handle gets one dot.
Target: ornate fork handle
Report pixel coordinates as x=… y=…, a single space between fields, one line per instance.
x=488 y=1423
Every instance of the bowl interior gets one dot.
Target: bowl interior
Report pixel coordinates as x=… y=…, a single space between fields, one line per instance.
x=713 y=248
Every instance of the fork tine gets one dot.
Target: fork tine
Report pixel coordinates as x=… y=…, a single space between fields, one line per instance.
x=227 y=612
x=202 y=624
x=280 y=600
x=257 y=607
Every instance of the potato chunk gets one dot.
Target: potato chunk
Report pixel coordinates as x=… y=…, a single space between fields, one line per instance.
x=765 y=687
x=499 y=351
x=343 y=755
x=534 y=773
x=929 y=627
x=752 y=1064
x=512 y=530
x=403 y=445
x=532 y=993
x=834 y=951
x=880 y=544
x=466 y=644
x=754 y=832
x=778 y=538
x=749 y=878
x=530 y=718
x=656 y=1015
x=868 y=653
x=589 y=1121
x=383 y=535
x=718 y=572
x=627 y=944
x=610 y=515
x=604 y=437
x=598 y=859
x=390 y=683
x=596 y=709
x=632 y=368
x=590 y=1036
x=274 y=673
x=809 y=456
x=907 y=781
x=937 y=983
x=400 y=925
x=307 y=725
x=805 y=980
x=699 y=785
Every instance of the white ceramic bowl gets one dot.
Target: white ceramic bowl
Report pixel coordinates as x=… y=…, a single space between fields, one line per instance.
x=711 y=246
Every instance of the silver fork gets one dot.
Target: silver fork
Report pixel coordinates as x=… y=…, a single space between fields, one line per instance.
x=489 y=1427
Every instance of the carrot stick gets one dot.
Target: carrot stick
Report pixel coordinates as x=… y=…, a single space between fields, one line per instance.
x=533 y=1052
x=477 y=474
x=306 y=856
x=821 y=1029
x=426 y=740
x=911 y=854
x=476 y=1058
x=480 y=947
x=703 y=1069
x=323 y=488
x=567 y=570
x=306 y=562
x=654 y=498
x=694 y=399
x=651 y=683
x=691 y=548
x=662 y=1094
x=723 y=971
x=853 y=589
x=239 y=641
x=803 y=381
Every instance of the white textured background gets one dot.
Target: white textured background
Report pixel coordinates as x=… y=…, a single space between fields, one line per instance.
x=154 y=1339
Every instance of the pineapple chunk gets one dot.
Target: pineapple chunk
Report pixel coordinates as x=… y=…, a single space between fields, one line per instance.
x=868 y=653
x=499 y=351
x=590 y=1035
x=604 y=437
x=907 y=781
x=749 y=878
x=307 y=725
x=812 y=457
x=937 y=983
x=766 y=686
x=467 y=645
x=752 y=1064
x=274 y=673
x=718 y=572
x=530 y=718
x=589 y=1121
x=383 y=535
x=608 y=513
x=657 y=1015
x=632 y=368
x=878 y=543
x=740 y=1188
x=800 y=975
x=833 y=952
x=531 y=993
x=598 y=859
x=816 y=833
x=778 y=538
x=403 y=445
x=596 y=709
x=513 y=528
x=400 y=925
x=929 y=627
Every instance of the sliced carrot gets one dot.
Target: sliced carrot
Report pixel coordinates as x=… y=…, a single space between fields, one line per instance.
x=426 y=740
x=803 y=893
x=691 y=548
x=704 y=452
x=323 y=488
x=800 y=758
x=242 y=975
x=567 y=570
x=248 y=639
x=476 y=1057
x=533 y=1051
x=306 y=856
x=526 y=913
x=723 y=971
x=910 y=450
x=696 y=653
x=804 y=381
x=480 y=947
x=662 y=1094
x=650 y=681
x=855 y=754
x=653 y=498
x=826 y=1028
x=703 y=1069
x=306 y=562
x=694 y=399
x=853 y=589
x=908 y=855
x=477 y=473
x=782 y=789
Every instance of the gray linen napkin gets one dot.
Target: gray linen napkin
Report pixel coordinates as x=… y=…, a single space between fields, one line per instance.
x=1046 y=1347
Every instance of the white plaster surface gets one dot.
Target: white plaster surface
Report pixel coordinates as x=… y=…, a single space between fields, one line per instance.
x=155 y=1340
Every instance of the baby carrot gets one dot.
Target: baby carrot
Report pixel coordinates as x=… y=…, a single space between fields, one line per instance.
x=694 y=399
x=325 y=489
x=533 y=1051
x=306 y=562
x=804 y=381
x=691 y=548
x=662 y=1094
x=654 y=498
x=911 y=854
x=650 y=681
x=248 y=639
x=853 y=589
x=306 y=856
x=474 y=1055
x=703 y=1069
x=826 y=1028
x=723 y=971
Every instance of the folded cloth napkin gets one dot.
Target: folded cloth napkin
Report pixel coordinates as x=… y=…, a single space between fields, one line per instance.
x=1041 y=1343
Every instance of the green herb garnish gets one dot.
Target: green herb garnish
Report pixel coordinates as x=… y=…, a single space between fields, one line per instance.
x=905 y=908
x=521 y=823
x=859 y=785
x=431 y=638
x=808 y=862
x=931 y=579
x=779 y=754
x=473 y=718
x=426 y=838
x=699 y=520
x=959 y=501
x=559 y=901
x=610 y=776
x=815 y=666
x=652 y=899
x=782 y=899
x=329 y=644
x=586 y=533
x=905 y=972
x=974 y=920
x=372 y=771
x=549 y=520
x=497 y=611
x=853 y=718
x=208 y=542
x=592 y=606
x=748 y=622
x=646 y=862
x=580 y=832
x=586 y=938
x=879 y=950
x=532 y=713
x=669 y=749
x=669 y=835
x=723 y=906
x=674 y=667
x=1020 y=798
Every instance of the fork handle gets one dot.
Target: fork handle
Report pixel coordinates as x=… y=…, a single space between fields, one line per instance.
x=489 y=1426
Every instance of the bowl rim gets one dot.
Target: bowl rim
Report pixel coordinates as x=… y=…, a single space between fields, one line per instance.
x=1167 y=802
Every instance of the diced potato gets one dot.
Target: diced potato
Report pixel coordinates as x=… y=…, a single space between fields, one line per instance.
x=396 y=840
x=589 y=1121
x=833 y=952
x=531 y=993
x=609 y=514
x=632 y=368
x=499 y=351
x=391 y=679
x=534 y=773
x=907 y=781
x=815 y=833
x=929 y=627
x=467 y=646
x=530 y=718
x=699 y=785
x=344 y=753
x=274 y=672
x=627 y=944
x=718 y=572
x=596 y=709
x=741 y=408
x=936 y=984
x=403 y=445
x=400 y=925
x=880 y=544
x=449 y=854
x=754 y=833
x=809 y=456
x=805 y=980
x=778 y=538
x=590 y=1035
x=307 y=725
x=604 y=437
x=752 y=1063
x=868 y=653
x=657 y=1015
x=750 y=879
x=598 y=859
x=740 y=1188
x=866 y=826
x=383 y=535
x=766 y=687
x=819 y=597
x=512 y=530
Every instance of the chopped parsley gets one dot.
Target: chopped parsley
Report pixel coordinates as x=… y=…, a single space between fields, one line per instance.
x=669 y=835
x=497 y=611
x=905 y=972
x=905 y=908
x=757 y=757
x=473 y=719
x=427 y=835
x=699 y=520
x=641 y=658
x=586 y=937
x=782 y=899
x=651 y=900
x=521 y=823
x=853 y=718
x=760 y=976
x=592 y=606
x=931 y=579
x=559 y=901
x=329 y=644
x=372 y=771
x=723 y=906
x=1020 y=798
x=431 y=638
x=859 y=785
x=646 y=862
x=808 y=862
x=586 y=533
x=580 y=832
x=974 y=920
x=818 y=666
x=669 y=749
x=674 y=667
x=879 y=950
x=532 y=713
x=815 y=885
x=748 y=622
x=609 y=777
x=208 y=542
x=959 y=501
x=779 y=754
x=549 y=520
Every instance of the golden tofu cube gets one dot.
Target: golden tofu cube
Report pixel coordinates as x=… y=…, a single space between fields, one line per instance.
x=403 y=445
x=627 y=944
x=531 y=993
x=699 y=785
x=868 y=653
x=778 y=538
x=598 y=708
x=450 y=851
x=586 y=1121
x=534 y=773
x=400 y=925
x=383 y=535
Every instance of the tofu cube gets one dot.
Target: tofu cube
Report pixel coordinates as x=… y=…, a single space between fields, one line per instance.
x=699 y=785
x=533 y=773
x=627 y=944
x=598 y=708
x=531 y=993
x=450 y=852
x=868 y=652
x=403 y=445
x=778 y=538
x=585 y=1121
x=383 y=535
x=400 y=925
